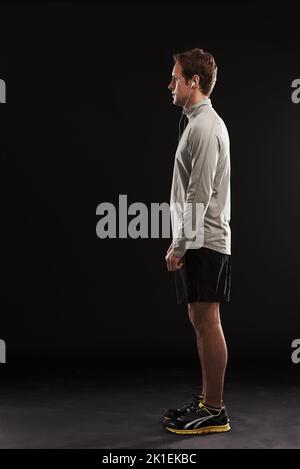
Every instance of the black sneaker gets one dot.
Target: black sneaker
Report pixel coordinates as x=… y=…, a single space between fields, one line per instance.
x=171 y=414
x=200 y=421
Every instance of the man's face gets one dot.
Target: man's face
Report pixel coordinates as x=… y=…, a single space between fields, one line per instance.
x=180 y=89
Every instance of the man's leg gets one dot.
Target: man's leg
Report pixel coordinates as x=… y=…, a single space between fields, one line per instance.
x=205 y=318
x=200 y=353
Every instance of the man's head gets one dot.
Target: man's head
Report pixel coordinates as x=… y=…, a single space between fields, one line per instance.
x=193 y=77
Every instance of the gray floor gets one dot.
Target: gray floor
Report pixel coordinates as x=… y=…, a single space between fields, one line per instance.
x=96 y=409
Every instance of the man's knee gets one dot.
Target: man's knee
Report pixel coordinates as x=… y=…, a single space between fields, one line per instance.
x=203 y=314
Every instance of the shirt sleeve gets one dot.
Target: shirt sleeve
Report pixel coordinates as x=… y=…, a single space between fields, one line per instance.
x=203 y=148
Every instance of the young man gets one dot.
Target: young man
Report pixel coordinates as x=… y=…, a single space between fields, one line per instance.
x=202 y=274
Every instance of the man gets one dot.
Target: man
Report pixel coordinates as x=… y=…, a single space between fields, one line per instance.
x=202 y=273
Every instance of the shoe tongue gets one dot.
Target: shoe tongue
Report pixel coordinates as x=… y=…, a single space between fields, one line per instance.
x=207 y=409
x=202 y=406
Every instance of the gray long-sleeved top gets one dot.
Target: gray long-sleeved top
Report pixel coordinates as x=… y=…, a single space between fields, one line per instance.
x=202 y=175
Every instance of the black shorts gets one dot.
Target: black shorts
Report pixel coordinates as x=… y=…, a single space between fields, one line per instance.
x=204 y=276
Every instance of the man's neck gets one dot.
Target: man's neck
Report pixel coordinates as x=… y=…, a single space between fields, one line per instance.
x=197 y=99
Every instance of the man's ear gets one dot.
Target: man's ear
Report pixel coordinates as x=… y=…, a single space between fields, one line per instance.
x=196 y=79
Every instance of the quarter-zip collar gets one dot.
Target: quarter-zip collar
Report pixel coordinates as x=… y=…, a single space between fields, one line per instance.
x=193 y=109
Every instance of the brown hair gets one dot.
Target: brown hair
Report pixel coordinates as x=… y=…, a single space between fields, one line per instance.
x=198 y=62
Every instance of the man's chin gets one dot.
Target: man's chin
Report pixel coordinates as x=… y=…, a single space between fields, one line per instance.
x=176 y=103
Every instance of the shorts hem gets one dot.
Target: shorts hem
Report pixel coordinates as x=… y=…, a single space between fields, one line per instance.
x=202 y=300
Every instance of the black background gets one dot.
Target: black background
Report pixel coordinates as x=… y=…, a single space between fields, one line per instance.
x=88 y=117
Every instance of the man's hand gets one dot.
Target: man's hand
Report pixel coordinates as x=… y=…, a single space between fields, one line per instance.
x=173 y=262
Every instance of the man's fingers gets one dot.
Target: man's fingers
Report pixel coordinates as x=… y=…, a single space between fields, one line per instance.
x=173 y=263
